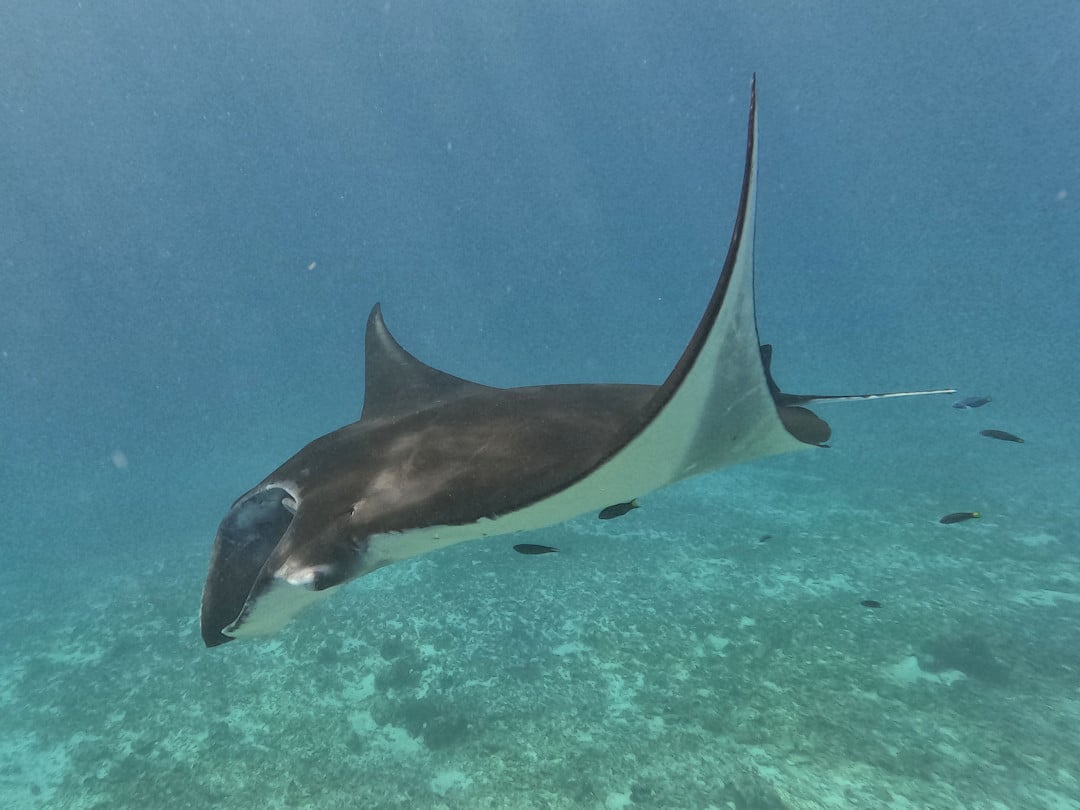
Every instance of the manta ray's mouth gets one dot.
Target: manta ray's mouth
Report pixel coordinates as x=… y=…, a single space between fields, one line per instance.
x=246 y=538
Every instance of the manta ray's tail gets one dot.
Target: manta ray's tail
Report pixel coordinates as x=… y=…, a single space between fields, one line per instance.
x=804 y=424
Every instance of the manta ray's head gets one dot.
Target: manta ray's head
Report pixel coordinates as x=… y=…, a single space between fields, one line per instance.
x=260 y=576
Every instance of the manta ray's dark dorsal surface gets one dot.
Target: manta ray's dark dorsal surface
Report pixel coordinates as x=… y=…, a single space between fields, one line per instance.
x=436 y=459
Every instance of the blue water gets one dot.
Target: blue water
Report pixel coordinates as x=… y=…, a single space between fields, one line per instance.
x=201 y=203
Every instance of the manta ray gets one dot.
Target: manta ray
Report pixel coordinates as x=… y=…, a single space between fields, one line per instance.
x=436 y=459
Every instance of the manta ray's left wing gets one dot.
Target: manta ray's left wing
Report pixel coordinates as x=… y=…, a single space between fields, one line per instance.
x=715 y=409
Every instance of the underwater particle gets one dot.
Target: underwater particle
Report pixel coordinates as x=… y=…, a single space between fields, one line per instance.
x=119 y=459
x=1002 y=435
x=618 y=510
x=967 y=403
x=533 y=548
x=311 y=266
x=959 y=517
x=870 y=603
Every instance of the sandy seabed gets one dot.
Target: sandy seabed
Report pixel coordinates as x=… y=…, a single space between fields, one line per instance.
x=688 y=655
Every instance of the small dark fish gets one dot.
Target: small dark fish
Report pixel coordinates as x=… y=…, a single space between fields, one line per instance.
x=959 y=517
x=532 y=548
x=870 y=603
x=967 y=403
x=764 y=538
x=618 y=510
x=1001 y=434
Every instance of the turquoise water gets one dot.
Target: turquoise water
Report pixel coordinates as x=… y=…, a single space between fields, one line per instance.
x=200 y=206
